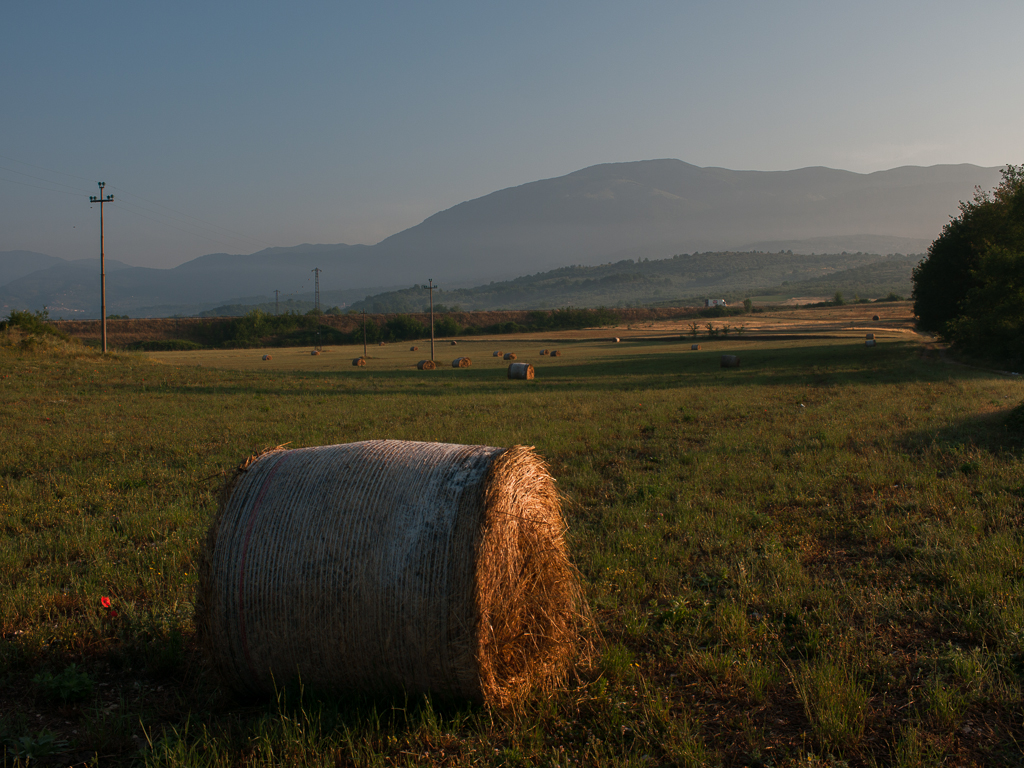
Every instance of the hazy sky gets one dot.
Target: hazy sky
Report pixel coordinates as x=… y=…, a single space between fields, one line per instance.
x=236 y=126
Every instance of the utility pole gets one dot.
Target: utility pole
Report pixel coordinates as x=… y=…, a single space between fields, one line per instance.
x=364 y=333
x=431 y=289
x=277 y=302
x=103 y=265
x=316 y=295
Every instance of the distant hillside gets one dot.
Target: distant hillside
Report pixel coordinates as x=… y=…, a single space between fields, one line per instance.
x=606 y=213
x=683 y=280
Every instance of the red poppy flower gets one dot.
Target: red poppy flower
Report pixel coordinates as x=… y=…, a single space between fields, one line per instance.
x=105 y=602
x=113 y=614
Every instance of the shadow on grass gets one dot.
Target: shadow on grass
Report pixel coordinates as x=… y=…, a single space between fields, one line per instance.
x=822 y=365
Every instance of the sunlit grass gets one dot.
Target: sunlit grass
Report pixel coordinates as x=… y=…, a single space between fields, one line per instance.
x=814 y=557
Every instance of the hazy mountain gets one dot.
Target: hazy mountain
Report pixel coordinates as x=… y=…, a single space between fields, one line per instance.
x=605 y=213
x=15 y=264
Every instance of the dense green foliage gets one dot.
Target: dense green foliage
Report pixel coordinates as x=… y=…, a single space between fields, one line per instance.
x=970 y=289
x=26 y=321
x=812 y=560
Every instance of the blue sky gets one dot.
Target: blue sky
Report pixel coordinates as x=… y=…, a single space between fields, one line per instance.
x=237 y=126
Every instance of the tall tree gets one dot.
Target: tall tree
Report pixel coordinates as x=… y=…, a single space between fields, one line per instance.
x=959 y=287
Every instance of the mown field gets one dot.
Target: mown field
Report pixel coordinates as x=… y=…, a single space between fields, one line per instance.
x=814 y=559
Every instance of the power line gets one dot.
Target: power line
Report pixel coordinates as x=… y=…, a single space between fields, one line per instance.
x=45 y=189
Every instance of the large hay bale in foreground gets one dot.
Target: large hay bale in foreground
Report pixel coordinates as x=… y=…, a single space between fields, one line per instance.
x=520 y=371
x=461 y=362
x=426 y=365
x=730 y=361
x=359 y=361
x=510 y=355
x=390 y=566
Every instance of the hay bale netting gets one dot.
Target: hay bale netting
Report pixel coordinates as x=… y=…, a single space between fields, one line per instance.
x=390 y=566
x=695 y=346
x=869 y=343
x=520 y=371
x=461 y=362
x=555 y=353
x=510 y=355
x=426 y=365
x=730 y=361
x=359 y=361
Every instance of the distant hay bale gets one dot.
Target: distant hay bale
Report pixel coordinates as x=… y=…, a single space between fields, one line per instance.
x=875 y=318
x=543 y=352
x=414 y=349
x=497 y=353
x=454 y=343
x=555 y=353
x=426 y=365
x=730 y=361
x=390 y=567
x=616 y=339
x=381 y=344
x=315 y=352
x=520 y=371
x=510 y=355
x=869 y=343
x=461 y=362
x=267 y=357
x=870 y=336
x=695 y=346
x=359 y=361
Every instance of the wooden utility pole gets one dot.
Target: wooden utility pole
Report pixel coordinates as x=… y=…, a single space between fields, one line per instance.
x=277 y=302
x=431 y=289
x=103 y=265
x=364 y=333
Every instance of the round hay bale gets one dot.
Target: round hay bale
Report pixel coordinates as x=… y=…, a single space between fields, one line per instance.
x=875 y=318
x=390 y=567
x=267 y=357
x=381 y=344
x=695 y=346
x=315 y=352
x=869 y=343
x=461 y=362
x=616 y=339
x=454 y=343
x=510 y=355
x=870 y=336
x=426 y=365
x=414 y=349
x=730 y=361
x=497 y=353
x=359 y=361
x=555 y=353
x=520 y=371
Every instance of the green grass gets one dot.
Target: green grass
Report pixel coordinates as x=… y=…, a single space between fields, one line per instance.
x=814 y=559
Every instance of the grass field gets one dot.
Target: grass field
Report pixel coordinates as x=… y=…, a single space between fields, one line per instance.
x=814 y=559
